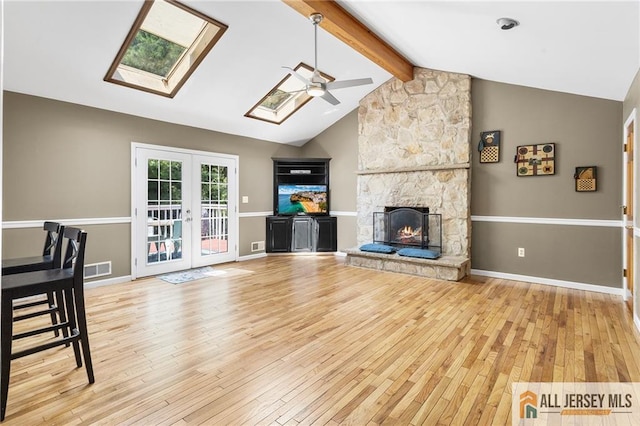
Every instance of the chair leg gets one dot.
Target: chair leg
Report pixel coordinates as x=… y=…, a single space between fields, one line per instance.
x=71 y=318
x=62 y=312
x=84 y=333
x=6 y=335
x=54 y=318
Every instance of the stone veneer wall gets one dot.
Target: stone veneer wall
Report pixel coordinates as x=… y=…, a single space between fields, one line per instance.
x=414 y=150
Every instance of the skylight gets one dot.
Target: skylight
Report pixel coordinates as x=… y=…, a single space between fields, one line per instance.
x=285 y=98
x=167 y=42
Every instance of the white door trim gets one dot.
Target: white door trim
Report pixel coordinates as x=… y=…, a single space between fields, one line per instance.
x=632 y=118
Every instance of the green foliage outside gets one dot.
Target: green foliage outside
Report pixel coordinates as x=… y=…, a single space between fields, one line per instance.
x=214 y=184
x=153 y=54
x=164 y=180
x=275 y=99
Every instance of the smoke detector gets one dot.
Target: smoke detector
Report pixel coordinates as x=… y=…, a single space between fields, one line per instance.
x=507 y=23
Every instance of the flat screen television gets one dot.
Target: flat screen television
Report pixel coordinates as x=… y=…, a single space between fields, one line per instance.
x=302 y=199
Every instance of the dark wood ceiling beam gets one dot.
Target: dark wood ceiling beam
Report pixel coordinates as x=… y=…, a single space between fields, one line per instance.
x=341 y=24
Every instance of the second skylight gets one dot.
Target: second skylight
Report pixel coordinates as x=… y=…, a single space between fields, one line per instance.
x=285 y=98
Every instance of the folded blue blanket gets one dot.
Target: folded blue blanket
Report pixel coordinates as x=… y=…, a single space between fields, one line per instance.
x=421 y=253
x=378 y=248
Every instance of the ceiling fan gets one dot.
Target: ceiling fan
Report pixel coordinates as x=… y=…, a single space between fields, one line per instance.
x=317 y=86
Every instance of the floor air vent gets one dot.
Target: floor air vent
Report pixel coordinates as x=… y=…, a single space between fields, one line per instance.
x=97 y=269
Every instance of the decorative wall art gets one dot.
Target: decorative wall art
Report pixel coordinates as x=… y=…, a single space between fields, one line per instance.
x=536 y=160
x=585 y=178
x=489 y=146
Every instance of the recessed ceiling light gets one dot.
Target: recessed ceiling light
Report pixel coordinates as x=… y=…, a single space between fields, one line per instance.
x=507 y=23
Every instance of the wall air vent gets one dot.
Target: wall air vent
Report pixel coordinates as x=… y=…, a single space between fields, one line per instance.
x=97 y=269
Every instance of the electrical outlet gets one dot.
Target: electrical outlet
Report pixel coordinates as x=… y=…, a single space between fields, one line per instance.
x=521 y=252
x=245 y=199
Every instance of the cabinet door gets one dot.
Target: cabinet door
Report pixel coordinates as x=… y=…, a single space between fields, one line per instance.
x=278 y=234
x=327 y=233
x=303 y=233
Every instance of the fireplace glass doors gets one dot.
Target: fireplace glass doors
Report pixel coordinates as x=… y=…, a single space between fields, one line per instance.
x=408 y=227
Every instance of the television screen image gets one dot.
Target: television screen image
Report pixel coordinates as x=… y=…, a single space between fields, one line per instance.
x=309 y=199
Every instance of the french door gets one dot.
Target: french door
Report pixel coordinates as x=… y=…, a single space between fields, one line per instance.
x=184 y=213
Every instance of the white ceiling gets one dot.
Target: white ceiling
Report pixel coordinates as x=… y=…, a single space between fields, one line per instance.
x=62 y=49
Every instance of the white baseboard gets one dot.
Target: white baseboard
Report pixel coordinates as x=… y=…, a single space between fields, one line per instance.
x=127 y=278
x=549 y=281
x=636 y=321
x=252 y=256
x=108 y=281
x=626 y=294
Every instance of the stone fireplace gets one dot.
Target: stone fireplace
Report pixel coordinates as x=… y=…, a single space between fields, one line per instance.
x=414 y=150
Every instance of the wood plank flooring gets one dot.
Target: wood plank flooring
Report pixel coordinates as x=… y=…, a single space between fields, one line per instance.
x=294 y=340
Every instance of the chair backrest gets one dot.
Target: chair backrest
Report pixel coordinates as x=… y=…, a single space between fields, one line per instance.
x=74 y=254
x=53 y=242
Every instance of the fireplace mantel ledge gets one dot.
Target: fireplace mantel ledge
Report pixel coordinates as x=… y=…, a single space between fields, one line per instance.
x=436 y=167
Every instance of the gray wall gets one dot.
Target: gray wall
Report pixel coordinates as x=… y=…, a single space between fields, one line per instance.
x=66 y=161
x=340 y=143
x=587 y=132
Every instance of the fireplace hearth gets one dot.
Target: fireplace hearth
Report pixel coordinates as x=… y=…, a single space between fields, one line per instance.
x=408 y=227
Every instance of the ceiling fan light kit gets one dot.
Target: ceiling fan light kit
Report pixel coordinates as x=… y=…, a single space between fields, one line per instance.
x=317 y=86
x=315 y=91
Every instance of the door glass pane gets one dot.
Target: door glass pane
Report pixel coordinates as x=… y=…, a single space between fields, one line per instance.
x=164 y=211
x=204 y=171
x=165 y=191
x=214 y=201
x=176 y=170
x=152 y=190
x=152 y=169
x=164 y=169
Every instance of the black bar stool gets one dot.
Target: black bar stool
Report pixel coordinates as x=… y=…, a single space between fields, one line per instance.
x=67 y=281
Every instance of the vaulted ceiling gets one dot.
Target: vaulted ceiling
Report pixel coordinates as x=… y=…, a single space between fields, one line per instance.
x=62 y=49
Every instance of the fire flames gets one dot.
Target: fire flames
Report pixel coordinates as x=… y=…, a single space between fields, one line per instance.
x=407 y=234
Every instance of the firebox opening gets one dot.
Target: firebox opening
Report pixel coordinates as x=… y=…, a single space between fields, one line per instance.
x=408 y=227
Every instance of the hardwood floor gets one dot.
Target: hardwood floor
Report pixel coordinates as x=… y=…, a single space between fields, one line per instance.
x=293 y=340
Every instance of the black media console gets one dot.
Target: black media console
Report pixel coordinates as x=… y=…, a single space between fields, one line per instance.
x=301 y=199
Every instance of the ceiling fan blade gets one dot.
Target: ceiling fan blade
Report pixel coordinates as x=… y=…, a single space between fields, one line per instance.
x=291 y=92
x=298 y=76
x=330 y=98
x=348 y=83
